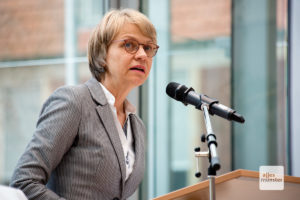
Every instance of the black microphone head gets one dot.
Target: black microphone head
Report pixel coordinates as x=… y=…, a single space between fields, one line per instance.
x=171 y=89
x=176 y=91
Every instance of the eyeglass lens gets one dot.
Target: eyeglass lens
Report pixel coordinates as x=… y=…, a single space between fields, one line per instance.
x=132 y=46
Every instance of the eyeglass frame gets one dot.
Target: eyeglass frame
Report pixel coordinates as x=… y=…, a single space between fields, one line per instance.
x=139 y=44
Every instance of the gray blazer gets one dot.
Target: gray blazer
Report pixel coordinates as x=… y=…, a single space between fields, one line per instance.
x=76 y=152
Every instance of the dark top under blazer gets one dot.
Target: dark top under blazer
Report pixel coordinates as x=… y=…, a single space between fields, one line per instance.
x=76 y=150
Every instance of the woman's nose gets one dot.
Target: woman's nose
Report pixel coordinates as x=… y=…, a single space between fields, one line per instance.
x=141 y=52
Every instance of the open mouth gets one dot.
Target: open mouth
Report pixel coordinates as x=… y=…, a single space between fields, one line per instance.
x=141 y=69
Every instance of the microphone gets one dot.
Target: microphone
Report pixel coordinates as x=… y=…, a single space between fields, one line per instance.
x=189 y=96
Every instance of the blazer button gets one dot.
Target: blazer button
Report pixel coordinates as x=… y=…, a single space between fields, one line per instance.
x=116 y=198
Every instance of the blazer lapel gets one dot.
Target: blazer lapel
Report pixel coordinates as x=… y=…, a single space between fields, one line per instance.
x=106 y=117
x=138 y=139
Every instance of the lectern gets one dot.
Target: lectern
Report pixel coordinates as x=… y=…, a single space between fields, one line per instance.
x=237 y=185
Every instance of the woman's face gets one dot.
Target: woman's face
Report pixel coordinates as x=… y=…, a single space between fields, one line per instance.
x=125 y=69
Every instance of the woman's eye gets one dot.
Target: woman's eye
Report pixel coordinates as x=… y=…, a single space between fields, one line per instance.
x=147 y=48
x=128 y=45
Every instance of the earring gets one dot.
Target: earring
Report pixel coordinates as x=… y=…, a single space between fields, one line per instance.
x=101 y=69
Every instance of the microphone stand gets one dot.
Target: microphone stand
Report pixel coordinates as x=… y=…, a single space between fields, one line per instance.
x=214 y=163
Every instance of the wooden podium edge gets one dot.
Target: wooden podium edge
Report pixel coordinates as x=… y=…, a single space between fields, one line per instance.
x=219 y=179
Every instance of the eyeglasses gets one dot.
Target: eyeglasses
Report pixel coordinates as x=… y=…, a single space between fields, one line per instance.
x=132 y=46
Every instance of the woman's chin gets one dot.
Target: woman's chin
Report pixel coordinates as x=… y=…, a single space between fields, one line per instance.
x=138 y=82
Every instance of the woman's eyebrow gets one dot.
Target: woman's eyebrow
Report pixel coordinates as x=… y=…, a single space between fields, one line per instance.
x=134 y=38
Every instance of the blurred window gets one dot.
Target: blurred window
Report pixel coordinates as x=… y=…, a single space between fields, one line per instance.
x=231 y=50
x=33 y=63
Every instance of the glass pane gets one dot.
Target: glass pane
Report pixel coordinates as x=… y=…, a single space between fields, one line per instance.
x=281 y=60
x=196 y=52
x=88 y=15
x=84 y=72
x=259 y=84
x=199 y=57
x=22 y=93
x=33 y=44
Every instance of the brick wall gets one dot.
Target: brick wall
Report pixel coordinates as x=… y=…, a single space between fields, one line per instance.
x=200 y=19
x=31 y=29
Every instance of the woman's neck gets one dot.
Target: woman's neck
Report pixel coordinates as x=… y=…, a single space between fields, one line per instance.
x=120 y=93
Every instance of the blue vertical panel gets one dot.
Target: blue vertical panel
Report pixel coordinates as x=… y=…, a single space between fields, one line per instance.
x=70 y=43
x=158 y=103
x=254 y=83
x=295 y=86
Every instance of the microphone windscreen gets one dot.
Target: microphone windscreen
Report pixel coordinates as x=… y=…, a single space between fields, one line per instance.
x=176 y=91
x=171 y=89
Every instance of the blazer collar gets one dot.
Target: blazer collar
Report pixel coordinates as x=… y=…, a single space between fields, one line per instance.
x=96 y=91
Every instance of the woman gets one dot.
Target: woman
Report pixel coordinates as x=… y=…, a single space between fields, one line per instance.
x=89 y=143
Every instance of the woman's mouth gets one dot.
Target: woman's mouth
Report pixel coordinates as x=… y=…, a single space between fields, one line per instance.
x=138 y=68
